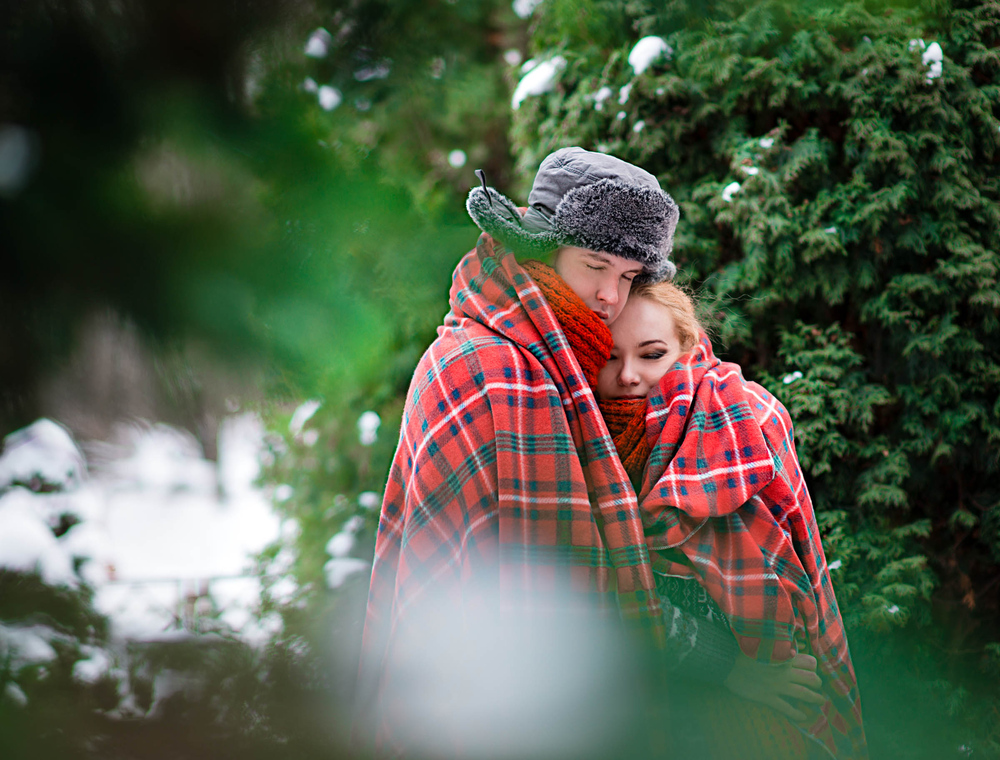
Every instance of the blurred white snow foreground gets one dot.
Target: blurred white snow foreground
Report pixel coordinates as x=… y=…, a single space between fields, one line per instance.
x=155 y=529
x=472 y=679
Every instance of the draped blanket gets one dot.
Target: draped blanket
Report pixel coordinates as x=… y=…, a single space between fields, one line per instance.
x=723 y=487
x=505 y=478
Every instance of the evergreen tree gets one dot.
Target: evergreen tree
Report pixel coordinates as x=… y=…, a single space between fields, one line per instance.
x=836 y=169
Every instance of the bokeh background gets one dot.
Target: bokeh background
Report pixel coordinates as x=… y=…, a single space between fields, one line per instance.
x=226 y=236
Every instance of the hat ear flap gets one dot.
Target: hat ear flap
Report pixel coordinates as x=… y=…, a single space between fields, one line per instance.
x=499 y=218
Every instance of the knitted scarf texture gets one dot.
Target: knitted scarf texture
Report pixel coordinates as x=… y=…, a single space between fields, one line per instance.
x=591 y=341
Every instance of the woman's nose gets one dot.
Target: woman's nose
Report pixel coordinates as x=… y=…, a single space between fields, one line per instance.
x=627 y=376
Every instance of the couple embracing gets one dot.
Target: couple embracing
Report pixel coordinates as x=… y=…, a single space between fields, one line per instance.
x=570 y=442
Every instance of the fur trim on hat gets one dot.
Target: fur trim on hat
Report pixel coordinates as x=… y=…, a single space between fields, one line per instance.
x=631 y=221
x=498 y=217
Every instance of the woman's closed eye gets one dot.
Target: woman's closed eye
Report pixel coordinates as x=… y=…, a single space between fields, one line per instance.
x=654 y=355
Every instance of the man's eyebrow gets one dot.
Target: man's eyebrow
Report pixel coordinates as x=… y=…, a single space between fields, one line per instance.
x=603 y=258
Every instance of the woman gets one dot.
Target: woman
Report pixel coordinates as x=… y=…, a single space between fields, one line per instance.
x=726 y=511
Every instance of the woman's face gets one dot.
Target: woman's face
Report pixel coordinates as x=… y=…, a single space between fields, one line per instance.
x=646 y=346
x=602 y=280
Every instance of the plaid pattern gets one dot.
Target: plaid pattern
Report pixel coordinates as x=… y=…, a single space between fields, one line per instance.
x=505 y=477
x=723 y=486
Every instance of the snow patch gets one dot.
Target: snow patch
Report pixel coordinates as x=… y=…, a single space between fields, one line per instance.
x=766 y=142
x=15 y=694
x=646 y=51
x=21 y=646
x=309 y=85
x=368 y=425
x=27 y=543
x=729 y=191
x=457 y=158
x=623 y=94
x=513 y=57
x=94 y=668
x=541 y=78
x=524 y=8
x=639 y=126
x=600 y=96
x=621 y=115
x=339 y=569
x=933 y=58
x=791 y=377
x=302 y=415
x=379 y=70
x=329 y=97
x=835 y=565
x=369 y=500
x=44 y=451
x=750 y=170
x=318 y=44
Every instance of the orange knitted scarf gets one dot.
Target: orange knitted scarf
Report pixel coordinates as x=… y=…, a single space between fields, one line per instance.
x=591 y=341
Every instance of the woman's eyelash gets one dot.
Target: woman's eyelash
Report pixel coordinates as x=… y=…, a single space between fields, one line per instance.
x=654 y=355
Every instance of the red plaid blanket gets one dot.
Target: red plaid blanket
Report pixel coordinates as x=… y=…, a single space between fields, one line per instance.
x=505 y=477
x=723 y=486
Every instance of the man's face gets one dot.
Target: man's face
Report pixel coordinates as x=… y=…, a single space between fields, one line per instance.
x=602 y=280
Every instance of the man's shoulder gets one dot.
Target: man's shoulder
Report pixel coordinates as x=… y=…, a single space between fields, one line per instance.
x=468 y=352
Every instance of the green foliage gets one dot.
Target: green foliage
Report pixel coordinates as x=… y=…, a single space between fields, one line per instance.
x=856 y=259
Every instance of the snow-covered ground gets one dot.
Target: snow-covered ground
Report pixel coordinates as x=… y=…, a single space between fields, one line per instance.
x=164 y=535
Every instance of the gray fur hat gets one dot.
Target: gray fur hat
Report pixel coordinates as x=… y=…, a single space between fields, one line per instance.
x=590 y=200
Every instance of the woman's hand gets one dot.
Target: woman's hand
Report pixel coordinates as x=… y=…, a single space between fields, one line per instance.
x=773 y=684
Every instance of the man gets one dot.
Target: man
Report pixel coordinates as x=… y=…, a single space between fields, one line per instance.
x=506 y=493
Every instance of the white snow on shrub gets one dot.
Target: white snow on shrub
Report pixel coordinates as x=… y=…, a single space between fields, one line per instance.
x=892 y=609
x=283 y=492
x=917 y=45
x=379 y=70
x=15 y=694
x=623 y=94
x=639 y=126
x=835 y=565
x=318 y=44
x=933 y=58
x=340 y=545
x=600 y=96
x=27 y=543
x=309 y=85
x=646 y=51
x=766 y=142
x=302 y=415
x=541 y=78
x=95 y=667
x=329 y=97
x=457 y=158
x=750 y=170
x=729 y=191
x=621 y=115
x=21 y=646
x=368 y=425
x=791 y=377
x=513 y=57
x=43 y=450
x=524 y=8
x=830 y=230
x=339 y=569
x=369 y=500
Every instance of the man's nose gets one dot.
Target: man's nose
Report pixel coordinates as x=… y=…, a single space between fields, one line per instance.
x=608 y=291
